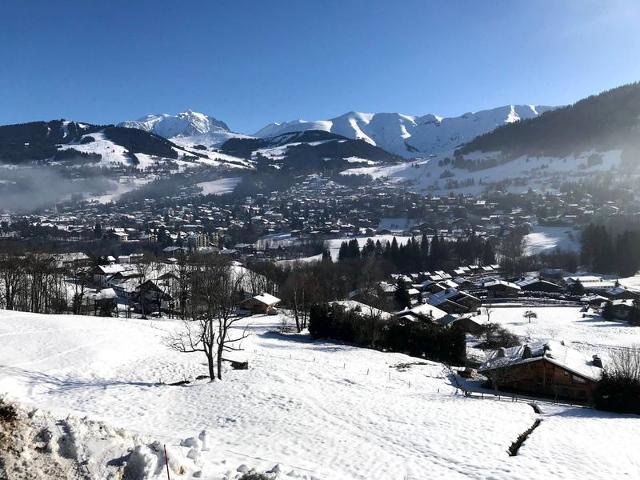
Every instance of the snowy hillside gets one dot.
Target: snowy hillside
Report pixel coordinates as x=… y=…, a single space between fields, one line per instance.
x=311 y=151
x=313 y=410
x=187 y=128
x=540 y=173
x=409 y=135
x=72 y=144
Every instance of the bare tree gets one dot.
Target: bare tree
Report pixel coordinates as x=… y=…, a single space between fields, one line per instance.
x=298 y=292
x=625 y=362
x=488 y=307
x=12 y=276
x=143 y=268
x=215 y=297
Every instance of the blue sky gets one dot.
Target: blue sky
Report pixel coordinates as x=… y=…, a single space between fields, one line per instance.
x=252 y=62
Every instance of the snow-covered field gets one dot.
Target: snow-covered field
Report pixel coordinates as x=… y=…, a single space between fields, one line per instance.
x=317 y=409
x=545 y=239
x=589 y=333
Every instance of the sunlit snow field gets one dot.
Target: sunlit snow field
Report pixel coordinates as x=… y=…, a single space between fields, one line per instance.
x=318 y=409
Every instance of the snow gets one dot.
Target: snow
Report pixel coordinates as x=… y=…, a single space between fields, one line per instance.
x=318 y=410
x=219 y=186
x=534 y=173
x=360 y=160
x=121 y=188
x=427 y=134
x=294 y=261
x=186 y=129
x=589 y=334
x=112 y=153
x=544 y=239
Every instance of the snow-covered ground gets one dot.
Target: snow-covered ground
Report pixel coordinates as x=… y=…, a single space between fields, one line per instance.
x=545 y=239
x=317 y=409
x=585 y=332
x=530 y=172
x=219 y=186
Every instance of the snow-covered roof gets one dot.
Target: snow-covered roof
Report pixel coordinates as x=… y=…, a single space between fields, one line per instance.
x=426 y=309
x=552 y=351
x=106 y=294
x=113 y=268
x=267 y=299
x=363 y=308
x=504 y=283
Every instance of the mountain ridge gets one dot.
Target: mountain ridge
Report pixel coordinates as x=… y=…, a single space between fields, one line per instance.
x=411 y=135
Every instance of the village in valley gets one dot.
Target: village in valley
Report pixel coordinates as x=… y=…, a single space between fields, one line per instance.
x=338 y=240
x=495 y=299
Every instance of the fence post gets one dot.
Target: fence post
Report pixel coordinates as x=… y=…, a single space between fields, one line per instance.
x=166 y=462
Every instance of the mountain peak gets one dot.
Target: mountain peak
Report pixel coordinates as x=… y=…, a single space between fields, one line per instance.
x=187 y=127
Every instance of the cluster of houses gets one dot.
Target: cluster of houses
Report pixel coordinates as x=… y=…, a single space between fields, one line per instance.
x=152 y=288
x=544 y=368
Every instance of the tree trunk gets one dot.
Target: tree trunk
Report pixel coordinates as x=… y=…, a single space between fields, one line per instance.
x=219 y=359
x=212 y=374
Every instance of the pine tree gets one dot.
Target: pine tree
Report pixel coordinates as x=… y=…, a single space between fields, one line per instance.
x=343 y=253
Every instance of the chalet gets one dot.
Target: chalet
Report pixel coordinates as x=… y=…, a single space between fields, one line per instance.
x=452 y=300
x=501 y=289
x=117 y=234
x=620 y=293
x=72 y=260
x=621 y=309
x=102 y=273
x=105 y=300
x=593 y=300
x=425 y=312
x=152 y=297
x=533 y=284
x=548 y=369
x=464 y=322
x=263 y=303
x=363 y=309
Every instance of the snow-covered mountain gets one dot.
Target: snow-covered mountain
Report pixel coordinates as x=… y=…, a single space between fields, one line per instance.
x=68 y=142
x=410 y=135
x=187 y=128
x=308 y=151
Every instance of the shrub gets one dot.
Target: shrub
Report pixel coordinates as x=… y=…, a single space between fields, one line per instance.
x=495 y=336
x=619 y=388
x=255 y=476
x=8 y=412
x=617 y=394
x=419 y=339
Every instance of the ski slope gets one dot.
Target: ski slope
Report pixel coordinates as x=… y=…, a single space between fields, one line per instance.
x=316 y=410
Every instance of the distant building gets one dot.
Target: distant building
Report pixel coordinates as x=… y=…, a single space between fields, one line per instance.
x=263 y=303
x=502 y=289
x=538 y=285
